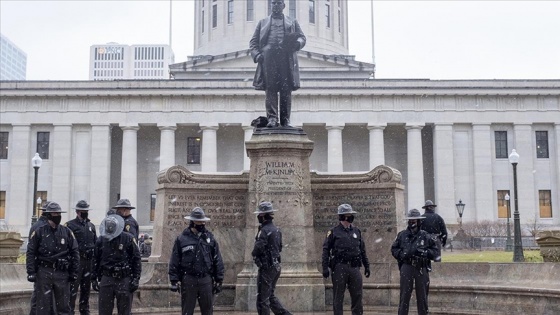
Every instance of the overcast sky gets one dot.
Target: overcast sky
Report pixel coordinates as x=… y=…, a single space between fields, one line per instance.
x=413 y=39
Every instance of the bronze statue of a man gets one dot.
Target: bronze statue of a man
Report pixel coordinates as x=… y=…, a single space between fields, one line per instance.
x=274 y=47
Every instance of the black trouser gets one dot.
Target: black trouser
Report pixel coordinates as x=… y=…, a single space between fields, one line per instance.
x=344 y=275
x=193 y=288
x=84 y=283
x=410 y=275
x=266 y=283
x=55 y=281
x=111 y=288
x=33 y=307
x=277 y=80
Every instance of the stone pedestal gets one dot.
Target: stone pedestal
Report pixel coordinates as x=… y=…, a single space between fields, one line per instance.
x=549 y=242
x=280 y=174
x=10 y=242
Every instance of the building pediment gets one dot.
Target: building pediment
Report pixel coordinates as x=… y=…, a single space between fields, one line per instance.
x=240 y=64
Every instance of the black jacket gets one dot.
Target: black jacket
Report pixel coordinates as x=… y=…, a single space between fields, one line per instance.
x=40 y=222
x=131 y=226
x=196 y=255
x=85 y=234
x=268 y=245
x=434 y=224
x=414 y=248
x=122 y=251
x=50 y=245
x=344 y=245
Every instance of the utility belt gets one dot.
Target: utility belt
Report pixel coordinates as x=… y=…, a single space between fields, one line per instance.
x=59 y=264
x=197 y=274
x=352 y=262
x=117 y=272
x=267 y=262
x=417 y=262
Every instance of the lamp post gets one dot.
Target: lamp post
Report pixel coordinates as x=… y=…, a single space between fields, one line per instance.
x=509 y=241
x=36 y=162
x=517 y=245
x=460 y=210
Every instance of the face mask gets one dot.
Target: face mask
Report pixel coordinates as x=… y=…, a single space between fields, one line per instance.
x=200 y=227
x=343 y=217
x=412 y=224
x=350 y=219
x=83 y=215
x=55 y=220
x=261 y=219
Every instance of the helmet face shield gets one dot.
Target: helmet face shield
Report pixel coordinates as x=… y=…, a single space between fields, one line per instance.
x=111 y=227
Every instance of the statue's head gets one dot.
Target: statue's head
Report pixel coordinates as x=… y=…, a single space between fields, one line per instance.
x=277 y=6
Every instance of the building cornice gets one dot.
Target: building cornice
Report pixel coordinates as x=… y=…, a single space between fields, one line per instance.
x=376 y=87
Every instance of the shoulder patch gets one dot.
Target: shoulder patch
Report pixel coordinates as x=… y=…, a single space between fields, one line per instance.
x=329 y=233
x=127 y=228
x=32 y=234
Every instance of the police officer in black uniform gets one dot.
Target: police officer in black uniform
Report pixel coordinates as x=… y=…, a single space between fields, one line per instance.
x=123 y=208
x=85 y=234
x=434 y=225
x=413 y=249
x=266 y=255
x=52 y=261
x=196 y=268
x=40 y=222
x=344 y=252
x=117 y=266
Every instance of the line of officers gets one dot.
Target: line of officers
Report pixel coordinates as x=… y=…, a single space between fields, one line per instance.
x=63 y=258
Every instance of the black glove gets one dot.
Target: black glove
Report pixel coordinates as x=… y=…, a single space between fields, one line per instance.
x=367 y=273
x=134 y=285
x=72 y=278
x=95 y=285
x=326 y=273
x=421 y=252
x=217 y=288
x=31 y=278
x=175 y=286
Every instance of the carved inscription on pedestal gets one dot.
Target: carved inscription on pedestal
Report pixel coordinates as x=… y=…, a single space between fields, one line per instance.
x=224 y=210
x=279 y=178
x=376 y=209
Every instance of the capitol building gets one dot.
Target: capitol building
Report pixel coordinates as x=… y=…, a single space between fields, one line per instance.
x=107 y=139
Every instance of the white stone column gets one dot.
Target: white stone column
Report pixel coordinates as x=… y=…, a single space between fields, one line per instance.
x=62 y=168
x=129 y=164
x=556 y=144
x=167 y=146
x=209 y=154
x=444 y=177
x=248 y=132
x=99 y=195
x=524 y=137
x=20 y=193
x=335 y=149
x=376 y=145
x=81 y=169
x=482 y=162
x=415 y=166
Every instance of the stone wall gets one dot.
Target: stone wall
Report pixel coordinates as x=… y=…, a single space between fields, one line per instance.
x=456 y=288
